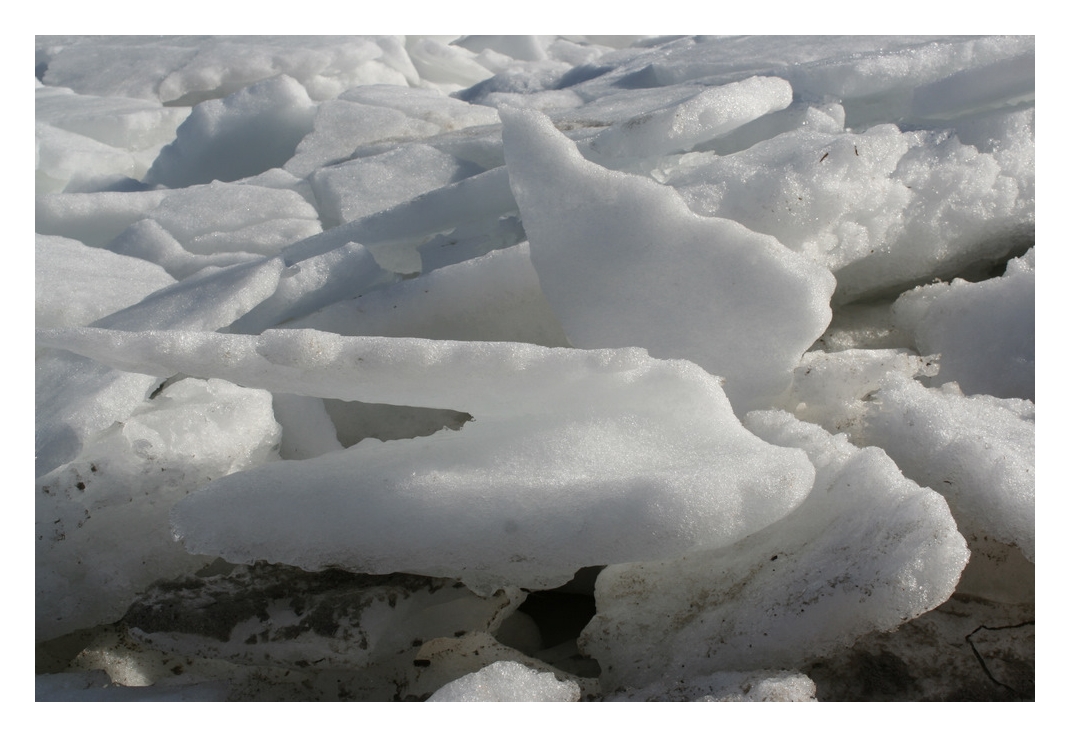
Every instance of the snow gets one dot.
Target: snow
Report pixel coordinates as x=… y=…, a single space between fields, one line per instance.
x=373 y=367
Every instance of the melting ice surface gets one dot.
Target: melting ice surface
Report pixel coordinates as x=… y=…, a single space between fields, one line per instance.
x=346 y=346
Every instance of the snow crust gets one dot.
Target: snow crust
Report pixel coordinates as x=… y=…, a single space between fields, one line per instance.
x=347 y=345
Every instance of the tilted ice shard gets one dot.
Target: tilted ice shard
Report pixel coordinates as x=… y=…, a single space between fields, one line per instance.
x=492 y=297
x=575 y=458
x=77 y=285
x=624 y=262
x=867 y=550
x=710 y=113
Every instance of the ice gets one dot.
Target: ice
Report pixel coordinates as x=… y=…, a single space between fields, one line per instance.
x=340 y=127
x=725 y=341
x=94 y=218
x=193 y=69
x=148 y=240
x=371 y=184
x=979 y=452
x=450 y=67
x=494 y=297
x=130 y=124
x=980 y=88
x=75 y=398
x=217 y=141
x=335 y=619
x=314 y=283
x=867 y=550
x=836 y=389
x=727 y=686
x=445 y=660
x=709 y=114
x=209 y=300
x=394 y=235
x=521 y=48
x=735 y=302
x=130 y=66
x=647 y=461
x=307 y=429
x=71 y=162
x=881 y=208
x=985 y=332
x=76 y=285
x=236 y=217
x=121 y=487
x=425 y=105
x=507 y=681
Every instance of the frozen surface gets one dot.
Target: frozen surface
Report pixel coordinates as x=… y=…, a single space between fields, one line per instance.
x=726 y=686
x=867 y=550
x=728 y=342
x=738 y=304
x=335 y=619
x=613 y=457
x=121 y=487
x=245 y=133
x=985 y=333
x=76 y=285
x=507 y=681
x=979 y=452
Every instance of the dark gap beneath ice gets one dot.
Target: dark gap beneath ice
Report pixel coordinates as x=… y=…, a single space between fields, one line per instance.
x=561 y=615
x=356 y=421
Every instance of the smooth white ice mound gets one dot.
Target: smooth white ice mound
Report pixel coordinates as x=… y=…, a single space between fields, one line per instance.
x=507 y=681
x=623 y=262
x=867 y=550
x=574 y=458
